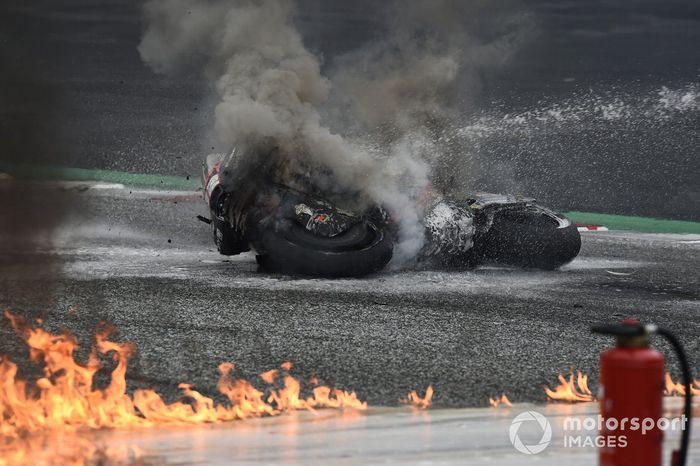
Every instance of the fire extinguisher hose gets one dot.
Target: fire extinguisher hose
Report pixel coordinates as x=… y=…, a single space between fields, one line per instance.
x=682 y=454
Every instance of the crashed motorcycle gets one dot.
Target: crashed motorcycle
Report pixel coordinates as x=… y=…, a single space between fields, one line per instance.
x=292 y=228
x=295 y=228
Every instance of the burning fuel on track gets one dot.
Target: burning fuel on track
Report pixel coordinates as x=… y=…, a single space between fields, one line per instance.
x=64 y=400
x=570 y=390
x=65 y=396
x=502 y=401
x=677 y=389
x=576 y=390
x=420 y=402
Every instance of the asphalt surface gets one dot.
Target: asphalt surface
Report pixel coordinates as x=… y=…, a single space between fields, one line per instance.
x=141 y=261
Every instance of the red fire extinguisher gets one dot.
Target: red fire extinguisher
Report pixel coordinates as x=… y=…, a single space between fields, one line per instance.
x=631 y=397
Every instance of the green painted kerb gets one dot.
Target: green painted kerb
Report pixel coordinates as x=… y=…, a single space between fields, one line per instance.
x=81 y=174
x=642 y=224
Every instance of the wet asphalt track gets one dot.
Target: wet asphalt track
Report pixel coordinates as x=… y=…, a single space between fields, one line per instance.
x=142 y=261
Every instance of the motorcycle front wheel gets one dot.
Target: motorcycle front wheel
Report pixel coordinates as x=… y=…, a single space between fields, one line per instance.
x=292 y=249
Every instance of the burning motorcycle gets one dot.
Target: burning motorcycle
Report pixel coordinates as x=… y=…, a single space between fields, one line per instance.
x=296 y=228
x=292 y=227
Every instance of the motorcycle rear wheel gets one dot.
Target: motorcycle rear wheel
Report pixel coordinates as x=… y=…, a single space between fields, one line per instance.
x=533 y=237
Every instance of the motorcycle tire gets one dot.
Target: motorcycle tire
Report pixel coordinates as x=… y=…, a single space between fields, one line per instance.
x=291 y=249
x=534 y=237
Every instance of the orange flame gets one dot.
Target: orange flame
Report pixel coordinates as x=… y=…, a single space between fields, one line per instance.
x=287 y=366
x=64 y=396
x=567 y=391
x=269 y=376
x=419 y=402
x=678 y=389
x=503 y=400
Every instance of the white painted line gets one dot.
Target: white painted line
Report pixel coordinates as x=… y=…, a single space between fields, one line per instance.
x=107 y=186
x=620 y=274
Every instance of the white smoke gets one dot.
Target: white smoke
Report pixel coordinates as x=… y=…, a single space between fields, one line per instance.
x=270 y=88
x=414 y=84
